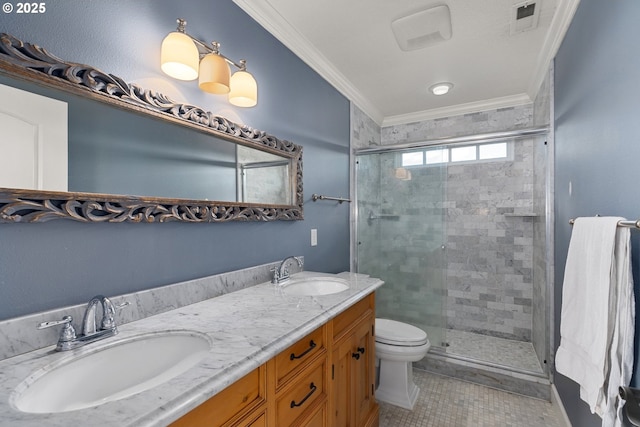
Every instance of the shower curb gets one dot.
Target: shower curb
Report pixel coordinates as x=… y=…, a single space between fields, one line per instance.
x=531 y=385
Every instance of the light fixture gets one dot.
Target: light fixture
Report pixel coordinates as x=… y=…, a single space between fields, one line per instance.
x=184 y=57
x=244 y=88
x=441 y=88
x=403 y=174
x=215 y=75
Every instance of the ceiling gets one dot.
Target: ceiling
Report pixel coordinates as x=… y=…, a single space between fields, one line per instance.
x=352 y=45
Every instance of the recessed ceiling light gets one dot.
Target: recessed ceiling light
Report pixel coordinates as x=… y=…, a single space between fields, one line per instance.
x=441 y=88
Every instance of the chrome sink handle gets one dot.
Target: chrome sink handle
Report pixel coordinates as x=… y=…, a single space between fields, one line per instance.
x=108 y=319
x=68 y=333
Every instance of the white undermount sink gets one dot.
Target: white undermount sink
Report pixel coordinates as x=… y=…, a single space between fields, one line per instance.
x=112 y=372
x=312 y=286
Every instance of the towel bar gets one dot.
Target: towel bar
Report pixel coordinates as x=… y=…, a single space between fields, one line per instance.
x=631 y=224
x=316 y=197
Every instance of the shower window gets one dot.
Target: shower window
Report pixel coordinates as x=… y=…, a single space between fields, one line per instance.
x=414 y=158
x=465 y=153
x=437 y=156
x=492 y=151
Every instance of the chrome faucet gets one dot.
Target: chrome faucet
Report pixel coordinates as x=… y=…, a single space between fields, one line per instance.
x=281 y=273
x=108 y=313
x=69 y=339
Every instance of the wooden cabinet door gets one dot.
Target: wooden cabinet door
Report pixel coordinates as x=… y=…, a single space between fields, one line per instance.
x=353 y=377
x=341 y=385
x=363 y=372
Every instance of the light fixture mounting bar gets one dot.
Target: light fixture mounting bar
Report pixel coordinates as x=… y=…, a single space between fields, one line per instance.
x=214 y=48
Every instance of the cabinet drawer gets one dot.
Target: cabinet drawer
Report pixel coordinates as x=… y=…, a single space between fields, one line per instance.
x=297 y=356
x=345 y=320
x=304 y=394
x=261 y=421
x=232 y=402
x=318 y=419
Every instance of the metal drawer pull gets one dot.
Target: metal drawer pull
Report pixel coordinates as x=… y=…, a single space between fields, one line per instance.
x=312 y=345
x=361 y=350
x=313 y=390
x=355 y=355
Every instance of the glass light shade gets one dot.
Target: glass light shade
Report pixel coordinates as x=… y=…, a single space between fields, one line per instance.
x=244 y=90
x=214 y=74
x=441 y=88
x=403 y=174
x=179 y=56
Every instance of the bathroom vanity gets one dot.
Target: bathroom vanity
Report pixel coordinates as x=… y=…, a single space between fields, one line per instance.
x=275 y=359
x=325 y=379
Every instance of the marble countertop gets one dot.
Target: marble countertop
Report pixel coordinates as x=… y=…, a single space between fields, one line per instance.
x=247 y=328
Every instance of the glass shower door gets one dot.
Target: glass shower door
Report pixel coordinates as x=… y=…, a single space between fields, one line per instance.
x=400 y=237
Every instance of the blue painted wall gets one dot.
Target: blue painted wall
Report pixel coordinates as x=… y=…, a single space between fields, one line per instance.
x=597 y=105
x=53 y=264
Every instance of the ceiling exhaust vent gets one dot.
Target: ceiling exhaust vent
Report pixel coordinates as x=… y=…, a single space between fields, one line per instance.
x=524 y=16
x=423 y=28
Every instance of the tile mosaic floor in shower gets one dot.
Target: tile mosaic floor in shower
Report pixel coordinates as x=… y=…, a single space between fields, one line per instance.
x=448 y=402
x=516 y=354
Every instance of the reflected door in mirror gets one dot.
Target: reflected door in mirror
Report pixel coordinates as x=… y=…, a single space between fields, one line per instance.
x=33 y=141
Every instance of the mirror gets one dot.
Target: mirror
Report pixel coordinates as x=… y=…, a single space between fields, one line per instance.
x=128 y=161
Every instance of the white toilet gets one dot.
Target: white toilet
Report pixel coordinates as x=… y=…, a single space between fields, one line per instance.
x=397 y=346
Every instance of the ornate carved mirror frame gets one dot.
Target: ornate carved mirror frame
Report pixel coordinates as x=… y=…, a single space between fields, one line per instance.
x=34 y=64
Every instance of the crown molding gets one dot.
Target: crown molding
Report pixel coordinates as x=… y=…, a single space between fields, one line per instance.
x=263 y=13
x=555 y=35
x=269 y=18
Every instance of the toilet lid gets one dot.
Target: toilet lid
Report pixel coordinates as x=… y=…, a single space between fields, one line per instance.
x=398 y=333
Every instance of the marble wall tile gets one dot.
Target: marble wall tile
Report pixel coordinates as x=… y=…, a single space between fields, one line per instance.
x=364 y=131
x=502 y=119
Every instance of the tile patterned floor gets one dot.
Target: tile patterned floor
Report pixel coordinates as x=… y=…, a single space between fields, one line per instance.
x=516 y=354
x=448 y=402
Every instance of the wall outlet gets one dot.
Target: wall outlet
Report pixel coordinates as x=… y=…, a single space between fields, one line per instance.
x=314 y=237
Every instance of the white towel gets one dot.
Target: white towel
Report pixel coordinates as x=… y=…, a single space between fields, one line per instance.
x=597 y=317
x=622 y=350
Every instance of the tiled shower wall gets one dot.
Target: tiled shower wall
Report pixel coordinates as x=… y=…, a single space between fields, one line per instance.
x=457 y=239
x=488 y=215
x=502 y=205
x=489 y=223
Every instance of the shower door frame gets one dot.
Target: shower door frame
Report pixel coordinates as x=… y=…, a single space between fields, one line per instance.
x=549 y=221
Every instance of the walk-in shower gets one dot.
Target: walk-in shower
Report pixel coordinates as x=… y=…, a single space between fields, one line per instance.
x=458 y=231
